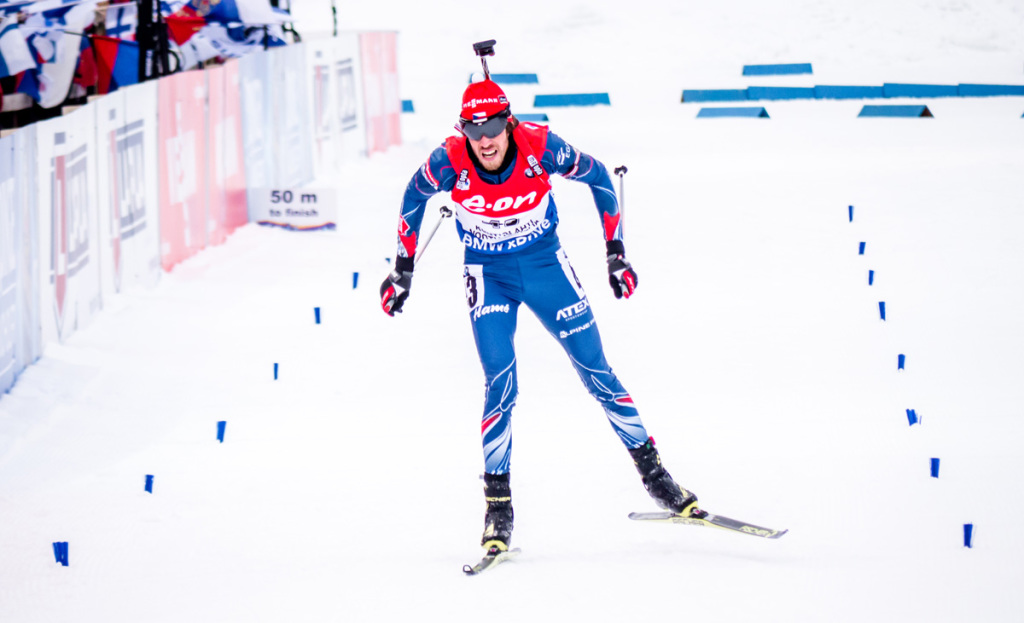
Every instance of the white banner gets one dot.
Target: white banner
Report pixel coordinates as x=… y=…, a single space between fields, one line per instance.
x=126 y=185
x=348 y=84
x=9 y=257
x=289 y=121
x=335 y=93
x=66 y=186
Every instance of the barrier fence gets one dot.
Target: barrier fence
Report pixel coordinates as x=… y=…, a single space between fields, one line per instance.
x=110 y=195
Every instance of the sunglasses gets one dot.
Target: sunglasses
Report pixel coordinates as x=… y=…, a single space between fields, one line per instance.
x=490 y=128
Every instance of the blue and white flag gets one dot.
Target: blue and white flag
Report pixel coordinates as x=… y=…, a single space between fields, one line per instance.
x=43 y=35
x=122 y=19
x=233 y=11
x=60 y=26
x=15 y=55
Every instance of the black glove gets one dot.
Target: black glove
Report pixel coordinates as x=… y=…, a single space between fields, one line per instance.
x=621 y=275
x=395 y=288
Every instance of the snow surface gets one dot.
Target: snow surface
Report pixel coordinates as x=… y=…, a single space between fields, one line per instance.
x=348 y=489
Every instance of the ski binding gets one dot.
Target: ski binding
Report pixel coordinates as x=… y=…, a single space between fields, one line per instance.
x=496 y=554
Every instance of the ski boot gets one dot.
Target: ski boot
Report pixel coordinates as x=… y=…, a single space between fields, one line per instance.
x=658 y=482
x=498 y=518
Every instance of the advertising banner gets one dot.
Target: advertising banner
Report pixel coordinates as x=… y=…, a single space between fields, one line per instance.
x=126 y=185
x=289 y=124
x=183 y=182
x=379 y=56
x=320 y=61
x=227 y=200
x=253 y=73
x=66 y=191
x=9 y=257
x=19 y=300
x=29 y=346
x=348 y=86
x=334 y=95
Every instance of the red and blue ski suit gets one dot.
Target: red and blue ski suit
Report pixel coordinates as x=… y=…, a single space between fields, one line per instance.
x=507 y=221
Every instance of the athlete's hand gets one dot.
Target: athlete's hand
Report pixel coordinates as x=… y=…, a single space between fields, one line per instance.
x=621 y=275
x=395 y=288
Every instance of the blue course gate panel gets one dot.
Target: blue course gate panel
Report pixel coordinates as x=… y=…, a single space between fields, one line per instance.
x=920 y=90
x=714 y=95
x=407 y=106
x=895 y=111
x=787 y=69
x=987 y=90
x=532 y=116
x=513 y=78
x=839 y=92
x=572 y=99
x=755 y=112
x=780 y=93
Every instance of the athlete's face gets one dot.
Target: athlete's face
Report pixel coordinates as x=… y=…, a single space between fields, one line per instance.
x=490 y=151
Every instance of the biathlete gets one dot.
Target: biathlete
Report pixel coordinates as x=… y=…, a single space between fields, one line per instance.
x=498 y=173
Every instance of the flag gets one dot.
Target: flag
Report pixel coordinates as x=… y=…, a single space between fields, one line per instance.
x=229 y=11
x=28 y=84
x=55 y=76
x=183 y=24
x=85 y=73
x=117 y=63
x=42 y=36
x=121 y=21
x=15 y=55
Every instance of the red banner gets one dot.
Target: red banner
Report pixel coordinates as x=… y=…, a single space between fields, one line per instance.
x=227 y=208
x=380 y=90
x=183 y=175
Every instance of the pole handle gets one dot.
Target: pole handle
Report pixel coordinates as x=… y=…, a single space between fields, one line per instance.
x=621 y=172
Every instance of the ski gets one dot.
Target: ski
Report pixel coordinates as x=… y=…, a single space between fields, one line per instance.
x=699 y=517
x=491 y=559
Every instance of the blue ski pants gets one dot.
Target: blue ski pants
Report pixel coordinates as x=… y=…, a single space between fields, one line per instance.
x=540 y=277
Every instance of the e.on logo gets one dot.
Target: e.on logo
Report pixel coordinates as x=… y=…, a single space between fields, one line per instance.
x=479 y=205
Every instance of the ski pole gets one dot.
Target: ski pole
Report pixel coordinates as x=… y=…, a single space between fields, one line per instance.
x=621 y=172
x=445 y=213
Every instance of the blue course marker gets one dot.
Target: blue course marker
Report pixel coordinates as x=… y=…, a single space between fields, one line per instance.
x=60 y=552
x=871 y=277
x=714 y=95
x=912 y=417
x=840 y=92
x=275 y=371
x=935 y=468
x=572 y=99
x=851 y=214
x=149 y=483
x=512 y=78
x=860 y=249
x=355 y=280
x=989 y=90
x=901 y=362
x=407 y=106
x=220 y=430
x=753 y=113
x=532 y=117
x=881 y=309
x=895 y=111
x=780 y=93
x=784 y=69
x=968 y=535
x=896 y=89
x=316 y=314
